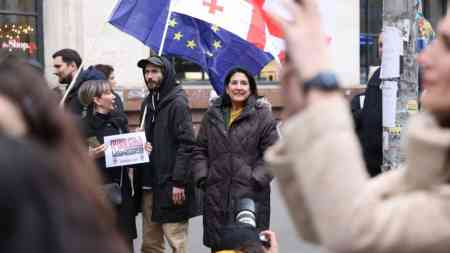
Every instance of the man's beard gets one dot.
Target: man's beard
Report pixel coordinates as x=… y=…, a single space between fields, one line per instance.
x=66 y=80
x=153 y=85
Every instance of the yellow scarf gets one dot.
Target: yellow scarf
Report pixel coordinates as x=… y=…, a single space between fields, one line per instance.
x=234 y=114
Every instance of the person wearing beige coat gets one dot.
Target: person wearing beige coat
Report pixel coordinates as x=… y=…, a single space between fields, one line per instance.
x=319 y=166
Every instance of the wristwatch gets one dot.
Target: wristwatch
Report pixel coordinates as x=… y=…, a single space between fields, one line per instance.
x=326 y=81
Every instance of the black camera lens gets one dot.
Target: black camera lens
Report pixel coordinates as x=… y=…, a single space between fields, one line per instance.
x=246 y=213
x=247 y=204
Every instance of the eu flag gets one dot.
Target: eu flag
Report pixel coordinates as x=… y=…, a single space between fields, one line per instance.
x=215 y=49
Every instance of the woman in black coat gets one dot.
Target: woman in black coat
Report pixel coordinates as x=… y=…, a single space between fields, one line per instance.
x=228 y=156
x=102 y=120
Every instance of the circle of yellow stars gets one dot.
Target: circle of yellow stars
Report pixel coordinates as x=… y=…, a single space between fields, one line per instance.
x=178 y=36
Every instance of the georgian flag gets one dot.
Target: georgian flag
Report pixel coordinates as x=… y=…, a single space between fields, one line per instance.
x=246 y=19
x=218 y=35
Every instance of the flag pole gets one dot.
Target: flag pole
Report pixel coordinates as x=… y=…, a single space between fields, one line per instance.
x=72 y=83
x=161 y=46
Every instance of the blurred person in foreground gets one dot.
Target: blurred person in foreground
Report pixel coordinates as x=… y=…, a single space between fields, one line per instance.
x=319 y=165
x=108 y=71
x=40 y=69
x=227 y=160
x=48 y=186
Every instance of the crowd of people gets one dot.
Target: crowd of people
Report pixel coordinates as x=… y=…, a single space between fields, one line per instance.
x=163 y=190
x=58 y=195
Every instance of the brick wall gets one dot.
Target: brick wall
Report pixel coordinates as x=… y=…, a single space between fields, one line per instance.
x=198 y=99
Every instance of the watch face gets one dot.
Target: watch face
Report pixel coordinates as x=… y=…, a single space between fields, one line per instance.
x=329 y=79
x=324 y=80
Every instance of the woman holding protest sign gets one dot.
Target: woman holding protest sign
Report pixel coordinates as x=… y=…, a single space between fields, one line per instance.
x=103 y=120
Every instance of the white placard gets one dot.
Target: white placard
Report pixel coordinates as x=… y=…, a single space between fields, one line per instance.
x=125 y=149
x=390 y=89
x=392 y=49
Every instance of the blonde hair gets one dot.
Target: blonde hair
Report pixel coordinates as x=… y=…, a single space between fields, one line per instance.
x=91 y=89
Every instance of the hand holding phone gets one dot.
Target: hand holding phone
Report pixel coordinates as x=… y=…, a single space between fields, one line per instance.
x=93 y=142
x=96 y=149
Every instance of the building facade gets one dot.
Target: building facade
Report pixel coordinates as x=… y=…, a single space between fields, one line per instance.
x=38 y=28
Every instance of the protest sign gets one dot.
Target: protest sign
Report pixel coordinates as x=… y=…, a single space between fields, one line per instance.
x=125 y=149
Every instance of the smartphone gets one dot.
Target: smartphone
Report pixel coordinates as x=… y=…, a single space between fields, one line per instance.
x=93 y=142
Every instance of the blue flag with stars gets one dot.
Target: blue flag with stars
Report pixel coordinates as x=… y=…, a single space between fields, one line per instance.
x=216 y=50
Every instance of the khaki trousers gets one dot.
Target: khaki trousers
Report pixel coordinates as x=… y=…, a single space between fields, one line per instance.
x=154 y=233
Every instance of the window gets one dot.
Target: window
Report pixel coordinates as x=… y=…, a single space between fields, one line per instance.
x=21 y=27
x=371 y=21
x=192 y=73
x=434 y=10
x=188 y=71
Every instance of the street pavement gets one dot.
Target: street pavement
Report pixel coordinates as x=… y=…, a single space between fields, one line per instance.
x=281 y=223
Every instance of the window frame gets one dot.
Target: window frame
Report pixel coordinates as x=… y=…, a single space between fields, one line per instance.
x=368 y=22
x=38 y=15
x=204 y=81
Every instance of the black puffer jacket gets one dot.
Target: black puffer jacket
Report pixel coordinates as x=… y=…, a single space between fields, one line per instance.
x=168 y=127
x=101 y=125
x=228 y=163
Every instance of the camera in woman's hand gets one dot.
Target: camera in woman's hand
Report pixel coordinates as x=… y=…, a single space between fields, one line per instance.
x=242 y=232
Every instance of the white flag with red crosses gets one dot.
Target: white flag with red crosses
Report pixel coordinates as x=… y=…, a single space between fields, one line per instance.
x=251 y=21
x=246 y=19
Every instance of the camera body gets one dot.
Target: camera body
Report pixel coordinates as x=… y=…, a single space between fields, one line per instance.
x=241 y=231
